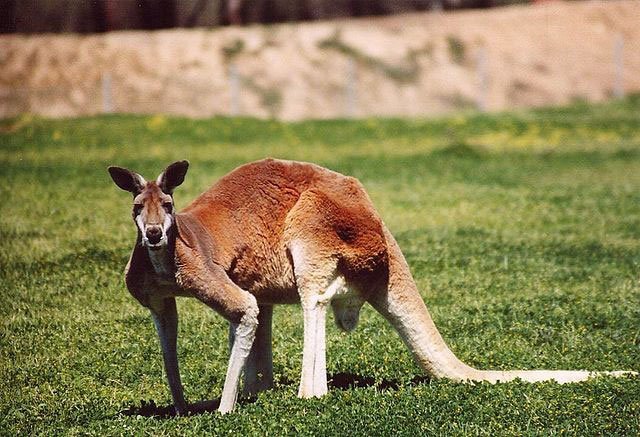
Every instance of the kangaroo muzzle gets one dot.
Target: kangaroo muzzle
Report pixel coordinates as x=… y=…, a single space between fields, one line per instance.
x=153 y=234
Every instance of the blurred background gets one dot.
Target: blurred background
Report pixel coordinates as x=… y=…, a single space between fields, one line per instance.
x=107 y=15
x=302 y=59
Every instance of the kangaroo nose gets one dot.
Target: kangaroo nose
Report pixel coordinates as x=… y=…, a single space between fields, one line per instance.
x=154 y=234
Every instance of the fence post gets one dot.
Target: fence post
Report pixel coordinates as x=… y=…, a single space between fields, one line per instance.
x=351 y=95
x=618 y=61
x=481 y=71
x=234 y=89
x=107 y=101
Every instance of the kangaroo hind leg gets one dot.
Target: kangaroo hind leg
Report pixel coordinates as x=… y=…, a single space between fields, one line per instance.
x=317 y=281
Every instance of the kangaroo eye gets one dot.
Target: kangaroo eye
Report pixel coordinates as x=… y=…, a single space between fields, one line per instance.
x=168 y=206
x=137 y=208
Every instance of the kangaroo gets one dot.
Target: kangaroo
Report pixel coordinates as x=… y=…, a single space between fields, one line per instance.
x=280 y=232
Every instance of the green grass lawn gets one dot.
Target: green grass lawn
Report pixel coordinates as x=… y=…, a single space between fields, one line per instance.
x=521 y=229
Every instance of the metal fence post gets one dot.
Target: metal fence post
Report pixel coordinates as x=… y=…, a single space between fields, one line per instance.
x=351 y=95
x=481 y=69
x=618 y=61
x=234 y=89
x=107 y=100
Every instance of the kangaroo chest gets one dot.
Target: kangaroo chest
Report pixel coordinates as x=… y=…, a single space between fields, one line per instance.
x=161 y=282
x=163 y=262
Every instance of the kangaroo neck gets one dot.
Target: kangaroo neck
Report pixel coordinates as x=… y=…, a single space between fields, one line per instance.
x=163 y=259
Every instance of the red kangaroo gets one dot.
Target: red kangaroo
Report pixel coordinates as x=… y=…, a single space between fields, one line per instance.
x=279 y=232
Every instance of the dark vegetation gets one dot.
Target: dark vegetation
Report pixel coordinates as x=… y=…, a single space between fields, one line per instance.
x=35 y=16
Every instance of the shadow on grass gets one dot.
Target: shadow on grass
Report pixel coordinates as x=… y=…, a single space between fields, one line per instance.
x=336 y=381
x=150 y=409
x=346 y=381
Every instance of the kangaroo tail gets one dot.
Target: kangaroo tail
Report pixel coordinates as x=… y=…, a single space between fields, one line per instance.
x=401 y=304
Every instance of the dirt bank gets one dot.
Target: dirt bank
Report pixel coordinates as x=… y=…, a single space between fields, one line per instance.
x=407 y=65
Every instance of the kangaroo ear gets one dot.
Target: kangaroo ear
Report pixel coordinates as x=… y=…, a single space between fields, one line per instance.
x=127 y=179
x=172 y=176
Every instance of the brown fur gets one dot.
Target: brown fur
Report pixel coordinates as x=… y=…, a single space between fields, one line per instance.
x=248 y=219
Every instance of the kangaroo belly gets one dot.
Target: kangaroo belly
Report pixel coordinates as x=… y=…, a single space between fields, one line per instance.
x=267 y=274
x=272 y=296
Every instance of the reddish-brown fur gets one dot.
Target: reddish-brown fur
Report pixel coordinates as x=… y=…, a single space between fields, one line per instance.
x=245 y=218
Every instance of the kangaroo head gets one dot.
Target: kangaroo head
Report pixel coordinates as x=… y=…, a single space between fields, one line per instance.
x=153 y=209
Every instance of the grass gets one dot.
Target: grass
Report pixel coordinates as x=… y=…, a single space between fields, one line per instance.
x=521 y=229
